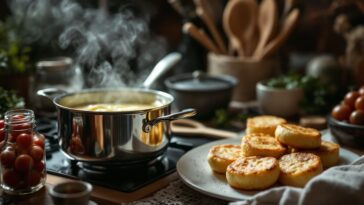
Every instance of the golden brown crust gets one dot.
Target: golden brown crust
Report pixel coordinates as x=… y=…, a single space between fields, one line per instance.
x=253 y=172
x=261 y=145
x=220 y=156
x=298 y=137
x=263 y=124
x=328 y=153
x=298 y=168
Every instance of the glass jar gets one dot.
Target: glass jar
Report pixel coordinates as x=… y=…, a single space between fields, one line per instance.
x=22 y=155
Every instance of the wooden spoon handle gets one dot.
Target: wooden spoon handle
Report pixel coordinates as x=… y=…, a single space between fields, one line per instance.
x=288 y=26
x=211 y=26
x=200 y=36
x=205 y=14
x=193 y=128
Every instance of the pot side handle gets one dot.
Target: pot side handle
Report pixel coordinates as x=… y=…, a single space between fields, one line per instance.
x=189 y=112
x=51 y=93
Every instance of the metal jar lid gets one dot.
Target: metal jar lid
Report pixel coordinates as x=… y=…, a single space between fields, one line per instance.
x=57 y=64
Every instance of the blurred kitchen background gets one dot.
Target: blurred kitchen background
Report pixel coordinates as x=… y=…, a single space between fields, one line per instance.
x=113 y=43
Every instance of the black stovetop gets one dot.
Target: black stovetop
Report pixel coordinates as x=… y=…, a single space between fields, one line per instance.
x=125 y=179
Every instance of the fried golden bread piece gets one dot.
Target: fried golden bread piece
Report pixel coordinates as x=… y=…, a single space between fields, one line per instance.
x=298 y=168
x=298 y=137
x=265 y=124
x=253 y=173
x=261 y=145
x=328 y=153
x=220 y=156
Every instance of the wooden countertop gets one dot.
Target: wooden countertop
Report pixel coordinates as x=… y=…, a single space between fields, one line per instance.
x=100 y=195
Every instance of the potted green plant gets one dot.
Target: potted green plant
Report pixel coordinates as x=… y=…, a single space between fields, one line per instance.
x=15 y=63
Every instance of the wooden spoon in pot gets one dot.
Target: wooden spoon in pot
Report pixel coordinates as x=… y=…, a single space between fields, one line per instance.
x=239 y=22
x=267 y=22
x=288 y=25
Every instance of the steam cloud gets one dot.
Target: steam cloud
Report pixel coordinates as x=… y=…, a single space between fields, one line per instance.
x=112 y=49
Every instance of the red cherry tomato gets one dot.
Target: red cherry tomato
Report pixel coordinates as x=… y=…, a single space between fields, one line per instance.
x=11 y=178
x=341 y=112
x=7 y=158
x=357 y=117
x=24 y=141
x=361 y=90
x=37 y=153
x=33 y=178
x=39 y=167
x=19 y=129
x=350 y=98
x=2 y=134
x=39 y=141
x=23 y=163
x=17 y=117
x=2 y=124
x=359 y=103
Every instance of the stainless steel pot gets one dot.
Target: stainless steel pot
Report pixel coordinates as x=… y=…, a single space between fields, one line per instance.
x=114 y=136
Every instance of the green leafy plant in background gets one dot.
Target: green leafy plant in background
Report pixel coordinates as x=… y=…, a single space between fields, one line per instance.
x=9 y=100
x=319 y=96
x=14 y=55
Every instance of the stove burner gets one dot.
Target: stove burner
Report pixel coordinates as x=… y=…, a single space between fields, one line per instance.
x=160 y=164
x=115 y=176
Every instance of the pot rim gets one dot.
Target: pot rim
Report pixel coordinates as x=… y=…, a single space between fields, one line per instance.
x=169 y=99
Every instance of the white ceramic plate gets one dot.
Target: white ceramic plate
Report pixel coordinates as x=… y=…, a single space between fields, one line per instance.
x=195 y=171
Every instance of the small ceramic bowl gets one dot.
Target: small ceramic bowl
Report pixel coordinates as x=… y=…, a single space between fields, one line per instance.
x=206 y=93
x=347 y=134
x=278 y=101
x=71 y=193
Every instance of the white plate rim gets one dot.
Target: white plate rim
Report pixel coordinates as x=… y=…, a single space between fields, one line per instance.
x=344 y=155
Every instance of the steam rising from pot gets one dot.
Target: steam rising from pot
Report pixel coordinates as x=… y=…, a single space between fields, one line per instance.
x=112 y=50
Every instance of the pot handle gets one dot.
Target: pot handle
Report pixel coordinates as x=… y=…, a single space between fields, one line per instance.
x=51 y=93
x=162 y=67
x=147 y=127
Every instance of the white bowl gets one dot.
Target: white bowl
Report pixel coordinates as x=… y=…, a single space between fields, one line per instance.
x=278 y=101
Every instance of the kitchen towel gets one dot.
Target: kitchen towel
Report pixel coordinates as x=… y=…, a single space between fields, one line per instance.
x=335 y=186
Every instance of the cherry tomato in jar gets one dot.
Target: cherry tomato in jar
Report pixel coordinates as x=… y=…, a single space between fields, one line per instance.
x=361 y=90
x=39 y=167
x=23 y=163
x=2 y=134
x=350 y=98
x=24 y=141
x=357 y=117
x=2 y=124
x=33 y=178
x=359 y=103
x=17 y=117
x=19 y=129
x=7 y=158
x=11 y=178
x=39 y=141
x=341 y=112
x=37 y=153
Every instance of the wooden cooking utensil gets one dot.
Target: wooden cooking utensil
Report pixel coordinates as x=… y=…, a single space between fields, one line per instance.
x=288 y=25
x=267 y=22
x=204 y=13
x=191 y=127
x=239 y=22
x=200 y=36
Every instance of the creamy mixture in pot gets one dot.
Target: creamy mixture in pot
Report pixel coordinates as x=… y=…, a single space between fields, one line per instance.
x=115 y=107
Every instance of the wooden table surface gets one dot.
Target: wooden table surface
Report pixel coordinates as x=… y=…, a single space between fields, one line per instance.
x=100 y=195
